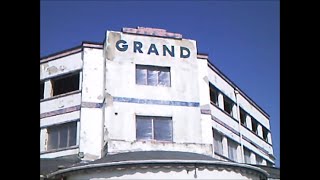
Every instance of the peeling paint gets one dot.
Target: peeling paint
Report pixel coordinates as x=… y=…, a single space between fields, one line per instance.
x=112 y=39
x=52 y=70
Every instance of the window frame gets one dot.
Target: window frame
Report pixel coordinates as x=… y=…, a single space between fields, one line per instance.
x=63 y=76
x=149 y=68
x=231 y=142
x=214 y=91
x=58 y=128
x=244 y=115
x=215 y=141
x=154 y=118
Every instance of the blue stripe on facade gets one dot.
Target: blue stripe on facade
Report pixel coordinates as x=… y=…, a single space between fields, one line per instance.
x=91 y=105
x=60 y=111
x=156 y=102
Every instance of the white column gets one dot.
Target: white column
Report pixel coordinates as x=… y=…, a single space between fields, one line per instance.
x=220 y=101
x=225 y=146
x=235 y=111
x=48 y=91
x=248 y=122
x=239 y=154
x=269 y=138
x=253 y=158
x=259 y=128
x=43 y=139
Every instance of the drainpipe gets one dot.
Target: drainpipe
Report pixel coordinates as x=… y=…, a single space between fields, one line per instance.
x=236 y=92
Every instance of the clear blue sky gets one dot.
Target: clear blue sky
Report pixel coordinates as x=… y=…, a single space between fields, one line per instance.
x=242 y=38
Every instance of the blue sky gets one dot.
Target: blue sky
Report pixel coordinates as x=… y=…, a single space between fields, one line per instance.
x=242 y=38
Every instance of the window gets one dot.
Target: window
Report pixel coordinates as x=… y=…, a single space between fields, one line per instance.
x=259 y=159
x=214 y=96
x=153 y=75
x=228 y=104
x=232 y=150
x=265 y=133
x=154 y=128
x=217 y=137
x=254 y=125
x=269 y=164
x=246 y=152
x=243 y=117
x=61 y=136
x=67 y=83
x=41 y=90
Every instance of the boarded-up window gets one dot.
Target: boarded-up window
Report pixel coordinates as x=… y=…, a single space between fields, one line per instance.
x=153 y=75
x=156 y=128
x=66 y=83
x=61 y=136
x=217 y=137
x=41 y=90
x=232 y=150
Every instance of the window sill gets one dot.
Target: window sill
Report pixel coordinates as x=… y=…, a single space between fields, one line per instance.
x=153 y=141
x=58 y=150
x=224 y=157
x=224 y=111
x=60 y=95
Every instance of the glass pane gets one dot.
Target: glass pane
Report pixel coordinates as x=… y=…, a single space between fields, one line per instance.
x=52 y=138
x=163 y=129
x=246 y=156
x=232 y=150
x=141 y=76
x=73 y=134
x=218 y=143
x=164 y=78
x=63 y=136
x=144 y=128
x=153 y=77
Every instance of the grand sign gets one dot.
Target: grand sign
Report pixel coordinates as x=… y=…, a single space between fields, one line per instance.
x=123 y=46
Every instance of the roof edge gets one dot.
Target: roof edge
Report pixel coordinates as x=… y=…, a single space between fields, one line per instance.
x=59 y=172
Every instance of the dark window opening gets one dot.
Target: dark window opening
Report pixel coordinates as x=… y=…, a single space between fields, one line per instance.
x=254 y=125
x=41 y=90
x=68 y=83
x=265 y=134
x=61 y=136
x=243 y=117
x=214 y=96
x=154 y=128
x=247 y=153
x=228 y=105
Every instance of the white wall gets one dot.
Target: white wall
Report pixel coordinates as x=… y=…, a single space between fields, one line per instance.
x=121 y=82
x=60 y=66
x=91 y=124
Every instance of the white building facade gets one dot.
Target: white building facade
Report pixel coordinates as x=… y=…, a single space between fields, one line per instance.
x=146 y=89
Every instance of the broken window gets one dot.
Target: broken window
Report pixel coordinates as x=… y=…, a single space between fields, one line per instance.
x=254 y=125
x=243 y=116
x=153 y=75
x=61 y=136
x=217 y=137
x=247 y=153
x=214 y=95
x=154 y=128
x=232 y=150
x=265 y=133
x=228 y=104
x=41 y=90
x=65 y=84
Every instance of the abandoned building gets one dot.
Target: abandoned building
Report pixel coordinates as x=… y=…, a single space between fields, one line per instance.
x=146 y=104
